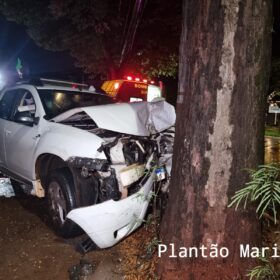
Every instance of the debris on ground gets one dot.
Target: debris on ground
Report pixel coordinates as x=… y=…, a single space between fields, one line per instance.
x=82 y=270
x=138 y=253
x=6 y=188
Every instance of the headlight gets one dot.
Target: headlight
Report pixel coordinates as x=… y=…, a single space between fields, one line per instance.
x=89 y=163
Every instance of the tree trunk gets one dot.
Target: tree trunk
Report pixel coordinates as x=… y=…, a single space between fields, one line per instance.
x=223 y=79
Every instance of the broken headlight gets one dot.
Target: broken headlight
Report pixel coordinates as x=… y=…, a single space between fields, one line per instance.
x=89 y=163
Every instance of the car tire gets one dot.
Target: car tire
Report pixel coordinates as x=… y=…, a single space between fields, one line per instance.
x=61 y=199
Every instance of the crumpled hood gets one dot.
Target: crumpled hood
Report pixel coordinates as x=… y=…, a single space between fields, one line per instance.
x=137 y=118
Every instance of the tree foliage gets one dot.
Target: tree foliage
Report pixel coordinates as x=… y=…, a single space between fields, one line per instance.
x=275 y=75
x=95 y=31
x=263 y=188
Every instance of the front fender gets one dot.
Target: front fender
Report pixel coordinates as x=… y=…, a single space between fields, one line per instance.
x=65 y=142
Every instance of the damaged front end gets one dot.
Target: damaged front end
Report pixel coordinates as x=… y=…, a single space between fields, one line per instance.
x=125 y=181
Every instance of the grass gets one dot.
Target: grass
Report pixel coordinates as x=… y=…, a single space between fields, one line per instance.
x=273 y=131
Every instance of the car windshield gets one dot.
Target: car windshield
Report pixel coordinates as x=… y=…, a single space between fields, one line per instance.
x=56 y=102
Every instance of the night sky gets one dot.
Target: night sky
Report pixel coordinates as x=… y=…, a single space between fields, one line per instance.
x=15 y=43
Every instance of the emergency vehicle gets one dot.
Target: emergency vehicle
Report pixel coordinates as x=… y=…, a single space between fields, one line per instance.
x=132 y=89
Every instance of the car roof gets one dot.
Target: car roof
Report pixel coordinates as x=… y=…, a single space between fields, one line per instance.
x=51 y=84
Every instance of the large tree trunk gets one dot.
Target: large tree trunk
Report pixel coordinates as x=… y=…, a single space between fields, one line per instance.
x=223 y=80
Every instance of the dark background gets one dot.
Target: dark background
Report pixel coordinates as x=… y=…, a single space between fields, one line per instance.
x=15 y=43
x=276 y=29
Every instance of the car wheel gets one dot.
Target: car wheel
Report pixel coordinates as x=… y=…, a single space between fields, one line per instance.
x=61 y=200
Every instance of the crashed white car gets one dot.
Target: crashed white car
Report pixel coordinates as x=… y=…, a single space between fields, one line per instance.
x=95 y=162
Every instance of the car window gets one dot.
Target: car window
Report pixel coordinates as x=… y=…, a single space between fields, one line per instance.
x=56 y=102
x=25 y=105
x=27 y=99
x=7 y=103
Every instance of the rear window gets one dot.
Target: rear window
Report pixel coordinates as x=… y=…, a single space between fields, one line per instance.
x=56 y=102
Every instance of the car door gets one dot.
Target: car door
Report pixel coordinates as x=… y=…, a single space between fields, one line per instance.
x=7 y=99
x=21 y=138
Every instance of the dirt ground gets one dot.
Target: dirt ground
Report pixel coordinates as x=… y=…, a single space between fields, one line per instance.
x=30 y=250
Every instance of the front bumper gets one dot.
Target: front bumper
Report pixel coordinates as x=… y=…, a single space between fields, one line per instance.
x=108 y=222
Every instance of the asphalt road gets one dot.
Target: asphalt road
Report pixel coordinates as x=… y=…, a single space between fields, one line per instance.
x=272 y=150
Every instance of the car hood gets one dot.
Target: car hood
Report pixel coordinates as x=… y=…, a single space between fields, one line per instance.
x=138 y=118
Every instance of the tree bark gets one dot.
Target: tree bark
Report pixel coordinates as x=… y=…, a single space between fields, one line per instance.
x=223 y=80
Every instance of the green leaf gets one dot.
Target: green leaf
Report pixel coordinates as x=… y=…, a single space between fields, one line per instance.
x=263 y=189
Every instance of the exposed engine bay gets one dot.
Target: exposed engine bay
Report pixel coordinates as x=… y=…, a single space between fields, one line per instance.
x=130 y=159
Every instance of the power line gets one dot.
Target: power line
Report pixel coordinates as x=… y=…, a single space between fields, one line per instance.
x=136 y=16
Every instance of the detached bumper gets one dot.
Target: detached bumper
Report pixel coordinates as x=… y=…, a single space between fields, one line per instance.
x=108 y=222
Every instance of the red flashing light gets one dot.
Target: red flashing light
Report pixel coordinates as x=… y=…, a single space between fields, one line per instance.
x=116 y=85
x=137 y=79
x=74 y=86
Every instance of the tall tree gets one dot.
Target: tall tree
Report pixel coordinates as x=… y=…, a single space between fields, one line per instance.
x=223 y=79
x=104 y=36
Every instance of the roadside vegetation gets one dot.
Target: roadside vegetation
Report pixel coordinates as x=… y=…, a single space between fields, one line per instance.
x=272 y=131
x=263 y=190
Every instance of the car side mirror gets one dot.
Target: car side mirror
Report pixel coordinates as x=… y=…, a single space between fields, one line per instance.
x=27 y=120
x=25 y=115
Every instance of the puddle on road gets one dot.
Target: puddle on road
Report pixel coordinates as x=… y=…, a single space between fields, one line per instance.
x=271 y=150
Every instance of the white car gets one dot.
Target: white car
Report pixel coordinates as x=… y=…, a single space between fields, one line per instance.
x=96 y=162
